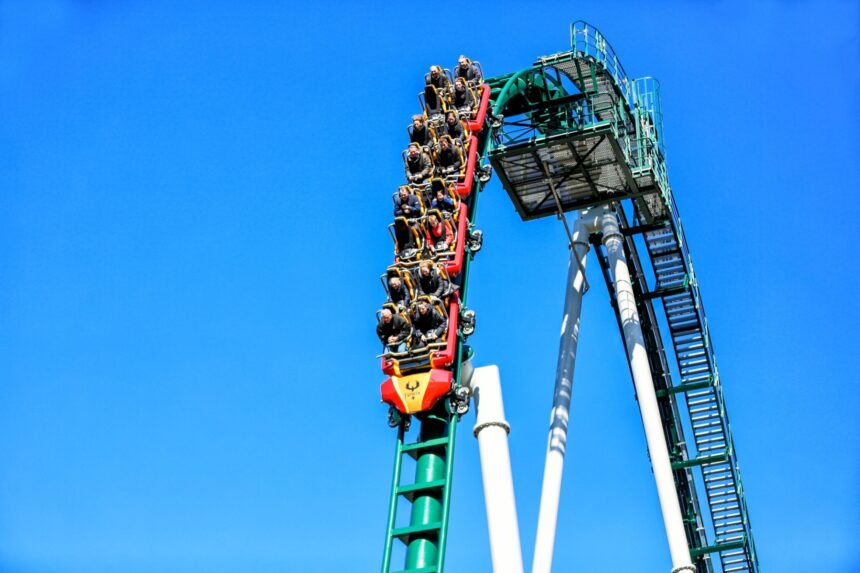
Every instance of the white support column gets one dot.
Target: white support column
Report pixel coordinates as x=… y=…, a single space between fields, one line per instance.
x=646 y=395
x=491 y=430
x=559 y=417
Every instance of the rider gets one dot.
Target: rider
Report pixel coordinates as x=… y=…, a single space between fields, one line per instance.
x=467 y=70
x=418 y=164
x=429 y=282
x=462 y=99
x=452 y=126
x=420 y=133
x=398 y=293
x=448 y=159
x=438 y=234
x=443 y=203
x=427 y=325
x=406 y=206
x=437 y=79
x=393 y=331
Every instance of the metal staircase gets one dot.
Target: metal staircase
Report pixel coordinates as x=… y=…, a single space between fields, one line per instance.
x=569 y=133
x=700 y=383
x=597 y=136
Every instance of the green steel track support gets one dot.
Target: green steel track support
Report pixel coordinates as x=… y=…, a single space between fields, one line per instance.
x=577 y=117
x=425 y=535
x=560 y=123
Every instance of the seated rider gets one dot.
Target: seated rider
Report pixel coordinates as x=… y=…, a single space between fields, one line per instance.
x=438 y=234
x=427 y=325
x=429 y=283
x=443 y=203
x=406 y=206
x=452 y=126
x=448 y=159
x=462 y=99
x=398 y=293
x=467 y=70
x=420 y=133
x=418 y=164
x=437 y=79
x=393 y=331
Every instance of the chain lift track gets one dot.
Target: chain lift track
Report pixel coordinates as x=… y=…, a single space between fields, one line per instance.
x=574 y=132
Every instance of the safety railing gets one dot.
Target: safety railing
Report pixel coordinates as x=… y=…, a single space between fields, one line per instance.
x=646 y=92
x=587 y=40
x=642 y=96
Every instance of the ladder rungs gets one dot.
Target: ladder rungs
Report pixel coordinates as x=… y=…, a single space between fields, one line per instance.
x=405 y=534
x=410 y=491
x=413 y=449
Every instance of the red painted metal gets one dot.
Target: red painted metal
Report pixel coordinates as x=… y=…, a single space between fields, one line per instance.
x=389 y=366
x=444 y=358
x=464 y=187
x=390 y=395
x=477 y=124
x=453 y=267
x=438 y=385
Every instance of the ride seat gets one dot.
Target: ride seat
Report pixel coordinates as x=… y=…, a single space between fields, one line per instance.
x=405 y=315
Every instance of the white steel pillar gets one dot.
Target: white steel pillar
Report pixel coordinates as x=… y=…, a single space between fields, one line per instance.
x=491 y=430
x=647 y=397
x=560 y=415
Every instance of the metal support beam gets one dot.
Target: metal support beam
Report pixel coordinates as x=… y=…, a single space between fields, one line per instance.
x=634 y=341
x=557 y=441
x=491 y=431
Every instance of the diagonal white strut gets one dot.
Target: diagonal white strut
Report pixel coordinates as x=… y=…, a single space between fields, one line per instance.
x=560 y=415
x=646 y=395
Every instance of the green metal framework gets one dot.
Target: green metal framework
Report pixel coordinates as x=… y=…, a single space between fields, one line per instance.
x=576 y=119
x=429 y=495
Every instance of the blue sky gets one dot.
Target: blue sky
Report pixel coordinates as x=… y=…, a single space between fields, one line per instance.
x=192 y=224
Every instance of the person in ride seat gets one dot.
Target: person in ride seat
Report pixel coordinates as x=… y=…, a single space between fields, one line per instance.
x=448 y=159
x=407 y=209
x=437 y=79
x=438 y=234
x=420 y=133
x=428 y=325
x=443 y=203
x=429 y=282
x=418 y=164
x=398 y=293
x=393 y=331
x=462 y=98
x=406 y=204
x=452 y=126
x=467 y=70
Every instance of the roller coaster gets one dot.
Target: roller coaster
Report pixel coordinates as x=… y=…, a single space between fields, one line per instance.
x=571 y=133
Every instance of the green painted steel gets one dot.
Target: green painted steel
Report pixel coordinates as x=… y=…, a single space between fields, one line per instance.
x=583 y=112
x=427 y=507
x=425 y=537
x=601 y=133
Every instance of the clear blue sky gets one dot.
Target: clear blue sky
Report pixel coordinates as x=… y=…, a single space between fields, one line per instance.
x=192 y=224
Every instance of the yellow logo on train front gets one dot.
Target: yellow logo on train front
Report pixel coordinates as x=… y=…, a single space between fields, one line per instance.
x=412 y=389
